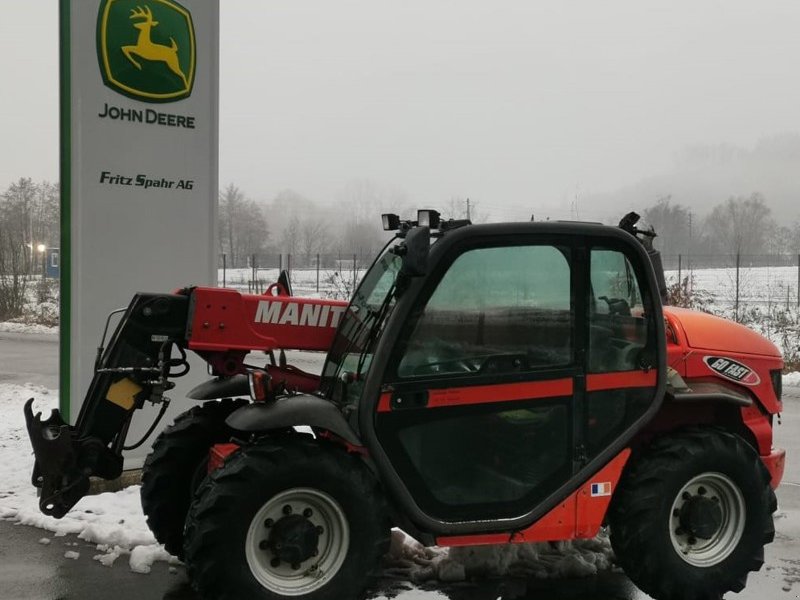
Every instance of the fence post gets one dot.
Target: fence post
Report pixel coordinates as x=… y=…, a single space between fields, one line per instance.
x=289 y=263
x=254 y=273
x=318 y=272
x=680 y=261
x=224 y=269
x=736 y=305
x=798 y=280
x=354 y=271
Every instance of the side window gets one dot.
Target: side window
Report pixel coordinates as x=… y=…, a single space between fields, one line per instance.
x=618 y=328
x=496 y=310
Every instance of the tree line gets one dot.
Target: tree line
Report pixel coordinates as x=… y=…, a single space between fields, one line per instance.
x=29 y=221
x=292 y=223
x=740 y=225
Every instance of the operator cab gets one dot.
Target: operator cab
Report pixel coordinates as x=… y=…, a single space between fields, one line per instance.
x=499 y=363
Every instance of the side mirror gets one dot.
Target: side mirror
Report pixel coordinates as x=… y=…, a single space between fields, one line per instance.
x=414 y=251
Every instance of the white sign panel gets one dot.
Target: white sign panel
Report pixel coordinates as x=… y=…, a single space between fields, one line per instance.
x=139 y=168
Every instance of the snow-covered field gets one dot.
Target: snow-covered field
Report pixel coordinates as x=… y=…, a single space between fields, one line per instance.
x=115 y=524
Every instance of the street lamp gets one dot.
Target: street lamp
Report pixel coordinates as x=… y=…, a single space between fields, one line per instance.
x=41 y=248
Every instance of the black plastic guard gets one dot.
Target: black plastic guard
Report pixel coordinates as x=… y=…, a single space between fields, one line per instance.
x=292 y=411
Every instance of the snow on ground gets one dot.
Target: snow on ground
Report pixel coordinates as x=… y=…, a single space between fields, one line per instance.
x=116 y=524
x=13 y=327
x=408 y=559
x=113 y=521
x=792 y=379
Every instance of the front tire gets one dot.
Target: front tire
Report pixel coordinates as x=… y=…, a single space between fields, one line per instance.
x=175 y=467
x=290 y=518
x=691 y=516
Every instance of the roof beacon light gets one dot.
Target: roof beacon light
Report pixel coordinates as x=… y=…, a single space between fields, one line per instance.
x=391 y=222
x=428 y=218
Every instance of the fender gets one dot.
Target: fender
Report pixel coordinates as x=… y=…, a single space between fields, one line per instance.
x=221 y=387
x=292 y=411
x=706 y=391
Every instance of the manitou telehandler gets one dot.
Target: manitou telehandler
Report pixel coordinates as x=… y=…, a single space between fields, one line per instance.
x=486 y=384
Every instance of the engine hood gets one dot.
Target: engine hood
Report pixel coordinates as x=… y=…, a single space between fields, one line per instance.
x=707 y=332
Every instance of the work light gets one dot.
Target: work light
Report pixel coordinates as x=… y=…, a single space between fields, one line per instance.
x=428 y=218
x=391 y=222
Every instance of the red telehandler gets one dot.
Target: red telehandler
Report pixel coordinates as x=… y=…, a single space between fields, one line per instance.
x=486 y=384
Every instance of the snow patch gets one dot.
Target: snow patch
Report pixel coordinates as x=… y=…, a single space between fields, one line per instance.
x=113 y=520
x=408 y=559
x=44 y=541
x=13 y=327
x=792 y=379
x=143 y=557
x=72 y=555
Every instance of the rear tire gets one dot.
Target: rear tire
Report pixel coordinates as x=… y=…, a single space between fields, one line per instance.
x=691 y=516
x=177 y=464
x=290 y=518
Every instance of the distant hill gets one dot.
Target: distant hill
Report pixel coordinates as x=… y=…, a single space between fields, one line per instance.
x=705 y=175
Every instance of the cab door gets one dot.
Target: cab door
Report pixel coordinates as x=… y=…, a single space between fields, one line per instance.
x=480 y=396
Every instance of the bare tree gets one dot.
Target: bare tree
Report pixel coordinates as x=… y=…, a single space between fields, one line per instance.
x=242 y=225
x=30 y=214
x=290 y=237
x=673 y=224
x=740 y=225
x=314 y=238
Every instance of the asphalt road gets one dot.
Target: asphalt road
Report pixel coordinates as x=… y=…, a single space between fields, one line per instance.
x=29 y=358
x=32 y=571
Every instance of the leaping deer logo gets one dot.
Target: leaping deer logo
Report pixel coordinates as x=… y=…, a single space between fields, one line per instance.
x=146 y=49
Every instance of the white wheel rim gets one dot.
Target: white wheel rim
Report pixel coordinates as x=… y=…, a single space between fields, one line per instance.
x=726 y=495
x=316 y=571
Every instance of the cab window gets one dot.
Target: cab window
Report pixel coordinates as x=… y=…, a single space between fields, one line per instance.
x=618 y=328
x=495 y=310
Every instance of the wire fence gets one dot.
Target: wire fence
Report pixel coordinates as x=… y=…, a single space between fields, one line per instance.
x=738 y=281
x=728 y=281
x=329 y=275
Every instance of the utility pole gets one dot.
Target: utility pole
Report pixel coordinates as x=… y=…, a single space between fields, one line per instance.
x=468 y=212
x=689 y=253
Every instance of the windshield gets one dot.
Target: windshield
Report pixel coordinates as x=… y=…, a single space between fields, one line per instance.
x=352 y=348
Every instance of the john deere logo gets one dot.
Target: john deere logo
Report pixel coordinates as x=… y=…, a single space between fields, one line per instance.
x=146 y=49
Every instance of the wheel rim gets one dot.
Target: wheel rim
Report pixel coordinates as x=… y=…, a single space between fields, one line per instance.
x=707 y=519
x=297 y=541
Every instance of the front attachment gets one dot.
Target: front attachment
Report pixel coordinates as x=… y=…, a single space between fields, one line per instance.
x=136 y=367
x=56 y=470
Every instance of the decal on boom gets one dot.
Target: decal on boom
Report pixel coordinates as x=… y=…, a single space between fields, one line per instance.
x=292 y=313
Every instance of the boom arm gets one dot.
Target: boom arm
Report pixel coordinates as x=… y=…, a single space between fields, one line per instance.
x=220 y=325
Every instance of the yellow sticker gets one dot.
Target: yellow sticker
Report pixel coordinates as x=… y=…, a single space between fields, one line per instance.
x=123 y=393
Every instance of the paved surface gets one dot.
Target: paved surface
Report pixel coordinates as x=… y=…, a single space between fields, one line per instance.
x=29 y=358
x=32 y=571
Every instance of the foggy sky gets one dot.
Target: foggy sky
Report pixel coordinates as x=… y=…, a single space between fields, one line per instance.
x=523 y=106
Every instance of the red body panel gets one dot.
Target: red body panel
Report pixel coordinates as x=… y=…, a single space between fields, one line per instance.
x=218 y=453
x=622 y=379
x=735 y=341
x=693 y=336
x=578 y=516
x=775 y=463
x=483 y=394
x=224 y=320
